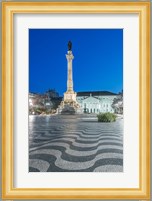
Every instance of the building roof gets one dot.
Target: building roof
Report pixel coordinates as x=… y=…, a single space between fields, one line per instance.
x=91 y=98
x=96 y=93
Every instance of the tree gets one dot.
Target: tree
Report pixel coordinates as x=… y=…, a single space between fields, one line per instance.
x=118 y=103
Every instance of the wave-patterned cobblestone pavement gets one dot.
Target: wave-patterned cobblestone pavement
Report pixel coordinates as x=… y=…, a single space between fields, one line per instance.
x=75 y=143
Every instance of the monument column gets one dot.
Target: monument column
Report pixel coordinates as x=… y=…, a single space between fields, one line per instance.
x=69 y=95
x=69 y=57
x=69 y=105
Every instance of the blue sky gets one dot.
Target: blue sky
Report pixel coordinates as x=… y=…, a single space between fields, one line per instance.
x=97 y=64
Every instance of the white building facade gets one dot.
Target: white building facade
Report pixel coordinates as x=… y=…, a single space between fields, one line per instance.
x=96 y=102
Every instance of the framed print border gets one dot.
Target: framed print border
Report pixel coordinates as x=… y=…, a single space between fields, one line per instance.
x=8 y=11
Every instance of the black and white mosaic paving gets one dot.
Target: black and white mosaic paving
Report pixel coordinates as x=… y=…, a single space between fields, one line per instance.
x=75 y=143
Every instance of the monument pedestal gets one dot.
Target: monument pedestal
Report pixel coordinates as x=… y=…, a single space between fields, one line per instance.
x=70 y=96
x=69 y=108
x=69 y=105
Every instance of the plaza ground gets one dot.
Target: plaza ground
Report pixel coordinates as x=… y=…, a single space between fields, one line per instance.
x=75 y=143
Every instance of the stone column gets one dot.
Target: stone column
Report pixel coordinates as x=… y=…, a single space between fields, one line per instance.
x=69 y=57
x=69 y=95
x=69 y=105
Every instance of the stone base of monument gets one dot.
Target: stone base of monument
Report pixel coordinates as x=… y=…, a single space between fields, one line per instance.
x=70 y=108
x=70 y=97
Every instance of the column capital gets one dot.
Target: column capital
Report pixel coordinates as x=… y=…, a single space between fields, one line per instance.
x=69 y=56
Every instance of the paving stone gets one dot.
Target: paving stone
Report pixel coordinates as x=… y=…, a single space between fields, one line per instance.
x=74 y=143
